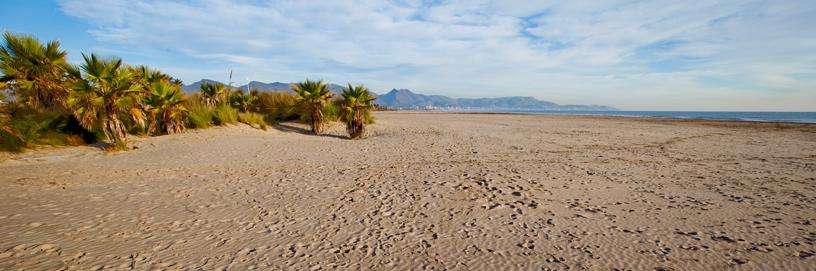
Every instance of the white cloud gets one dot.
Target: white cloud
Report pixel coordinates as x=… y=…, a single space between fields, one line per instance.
x=636 y=55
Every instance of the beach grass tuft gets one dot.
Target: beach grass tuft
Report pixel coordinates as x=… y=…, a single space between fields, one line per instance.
x=225 y=114
x=278 y=106
x=253 y=119
x=117 y=146
x=200 y=117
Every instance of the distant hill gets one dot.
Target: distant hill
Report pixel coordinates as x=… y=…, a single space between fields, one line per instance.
x=194 y=87
x=274 y=86
x=261 y=86
x=406 y=99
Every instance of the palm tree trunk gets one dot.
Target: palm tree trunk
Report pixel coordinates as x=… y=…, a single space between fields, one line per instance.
x=176 y=126
x=170 y=125
x=166 y=124
x=151 y=124
x=356 y=126
x=114 y=129
x=317 y=114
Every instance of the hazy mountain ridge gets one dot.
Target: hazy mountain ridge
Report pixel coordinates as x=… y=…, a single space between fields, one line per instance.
x=195 y=87
x=406 y=99
x=261 y=86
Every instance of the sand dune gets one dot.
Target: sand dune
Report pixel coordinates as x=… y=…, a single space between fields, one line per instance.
x=423 y=191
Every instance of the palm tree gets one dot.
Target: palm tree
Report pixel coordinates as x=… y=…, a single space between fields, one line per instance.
x=242 y=102
x=143 y=77
x=165 y=107
x=313 y=95
x=105 y=91
x=36 y=74
x=212 y=93
x=355 y=106
x=255 y=98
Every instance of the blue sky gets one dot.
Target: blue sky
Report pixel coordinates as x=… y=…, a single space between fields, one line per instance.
x=636 y=55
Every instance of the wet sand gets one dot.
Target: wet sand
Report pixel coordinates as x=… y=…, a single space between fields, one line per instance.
x=423 y=191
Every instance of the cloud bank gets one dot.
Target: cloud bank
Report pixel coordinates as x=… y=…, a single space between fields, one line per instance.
x=694 y=55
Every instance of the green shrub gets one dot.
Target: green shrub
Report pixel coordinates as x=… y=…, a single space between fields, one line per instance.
x=241 y=101
x=131 y=126
x=369 y=119
x=117 y=145
x=224 y=114
x=74 y=129
x=200 y=116
x=39 y=127
x=253 y=119
x=53 y=138
x=331 y=112
x=11 y=142
x=29 y=127
x=25 y=127
x=277 y=106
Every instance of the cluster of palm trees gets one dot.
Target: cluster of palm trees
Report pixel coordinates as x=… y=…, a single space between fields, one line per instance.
x=310 y=97
x=355 y=102
x=107 y=95
x=99 y=93
x=105 y=90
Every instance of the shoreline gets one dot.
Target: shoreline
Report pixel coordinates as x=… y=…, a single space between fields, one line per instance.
x=584 y=113
x=763 y=125
x=726 y=122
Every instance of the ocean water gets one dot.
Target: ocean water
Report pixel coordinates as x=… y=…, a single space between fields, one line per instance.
x=795 y=117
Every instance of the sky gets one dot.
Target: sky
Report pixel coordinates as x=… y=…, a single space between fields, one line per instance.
x=739 y=55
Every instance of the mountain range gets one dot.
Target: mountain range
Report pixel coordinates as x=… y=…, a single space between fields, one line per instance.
x=261 y=86
x=406 y=99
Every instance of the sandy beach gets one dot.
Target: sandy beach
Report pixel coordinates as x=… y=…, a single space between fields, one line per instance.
x=426 y=191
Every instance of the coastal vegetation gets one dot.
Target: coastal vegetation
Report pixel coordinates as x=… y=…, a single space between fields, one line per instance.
x=252 y=119
x=45 y=100
x=36 y=72
x=166 y=110
x=225 y=114
x=104 y=90
x=313 y=96
x=212 y=94
x=242 y=101
x=356 y=107
x=277 y=106
x=200 y=116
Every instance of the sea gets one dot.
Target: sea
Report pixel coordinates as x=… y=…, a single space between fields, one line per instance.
x=792 y=117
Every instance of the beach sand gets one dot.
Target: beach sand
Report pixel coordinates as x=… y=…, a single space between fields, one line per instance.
x=423 y=191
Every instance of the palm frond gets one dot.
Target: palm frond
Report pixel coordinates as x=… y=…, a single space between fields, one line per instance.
x=36 y=72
